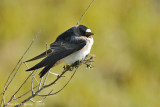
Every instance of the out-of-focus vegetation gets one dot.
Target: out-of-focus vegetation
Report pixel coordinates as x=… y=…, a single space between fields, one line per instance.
x=126 y=44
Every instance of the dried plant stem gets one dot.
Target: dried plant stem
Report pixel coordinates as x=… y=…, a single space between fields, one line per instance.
x=9 y=80
x=40 y=83
x=62 y=87
x=84 y=12
x=45 y=86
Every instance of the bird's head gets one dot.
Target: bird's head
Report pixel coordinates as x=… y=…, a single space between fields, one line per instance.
x=83 y=31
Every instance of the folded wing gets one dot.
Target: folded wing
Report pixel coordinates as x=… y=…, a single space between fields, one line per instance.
x=60 y=50
x=44 y=54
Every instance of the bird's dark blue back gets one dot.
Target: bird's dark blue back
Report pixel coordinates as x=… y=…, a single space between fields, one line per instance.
x=65 y=36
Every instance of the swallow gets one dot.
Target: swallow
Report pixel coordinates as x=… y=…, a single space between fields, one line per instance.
x=72 y=45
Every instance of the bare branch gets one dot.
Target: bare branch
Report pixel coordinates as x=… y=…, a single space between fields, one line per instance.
x=84 y=12
x=32 y=96
x=7 y=84
x=25 y=93
x=5 y=88
x=47 y=73
x=41 y=84
x=45 y=79
x=18 y=89
x=31 y=72
x=67 y=68
x=3 y=101
x=42 y=98
x=13 y=76
x=32 y=81
x=62 y=87
x=58 y=77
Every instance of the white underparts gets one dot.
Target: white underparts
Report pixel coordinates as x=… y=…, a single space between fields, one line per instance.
x=79 y=55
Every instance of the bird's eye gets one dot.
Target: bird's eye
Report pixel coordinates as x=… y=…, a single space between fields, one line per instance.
x=82 y=31
x=87 y=34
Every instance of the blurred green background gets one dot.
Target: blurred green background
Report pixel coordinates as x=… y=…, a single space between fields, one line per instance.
x=126 y=45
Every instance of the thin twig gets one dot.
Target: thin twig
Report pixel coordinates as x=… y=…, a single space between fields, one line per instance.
x=25 y=93
x=3 y=101
x=32 y=82
x=58 y=77
x=14 y=76
x=62 y=87
x=45 y=86
x=41 y=86
x=84 y=12
x=40 y=83
x=66 y=68
x=27 y=99
x=6 y=86
x=31 y=72
x=41 y=99
x=18 y=89
x=47 y=73
x=24 y=54
x=54 y=73
x=45 y=79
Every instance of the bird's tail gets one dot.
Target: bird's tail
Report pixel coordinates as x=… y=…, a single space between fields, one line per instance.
x=46 y=53
x=45 y=70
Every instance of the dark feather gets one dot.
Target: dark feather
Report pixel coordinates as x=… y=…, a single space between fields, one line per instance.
x=65 y=35
x=41 y=55
x=61 y=50
x=45 y=70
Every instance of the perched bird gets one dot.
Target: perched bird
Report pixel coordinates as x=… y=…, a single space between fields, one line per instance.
x=72 y=45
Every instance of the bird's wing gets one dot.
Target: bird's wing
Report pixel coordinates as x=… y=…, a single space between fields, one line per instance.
x=44 y=54
x=61 y=50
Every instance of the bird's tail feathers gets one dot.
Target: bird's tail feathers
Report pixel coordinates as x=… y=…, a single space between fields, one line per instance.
x=46 y=53
x=45 y=70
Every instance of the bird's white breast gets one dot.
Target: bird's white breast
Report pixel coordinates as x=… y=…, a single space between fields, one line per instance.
x=81 y=54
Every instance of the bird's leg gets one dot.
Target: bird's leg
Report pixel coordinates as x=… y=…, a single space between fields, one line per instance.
x=76 y=64
x=72 y=66
x=66 y=67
